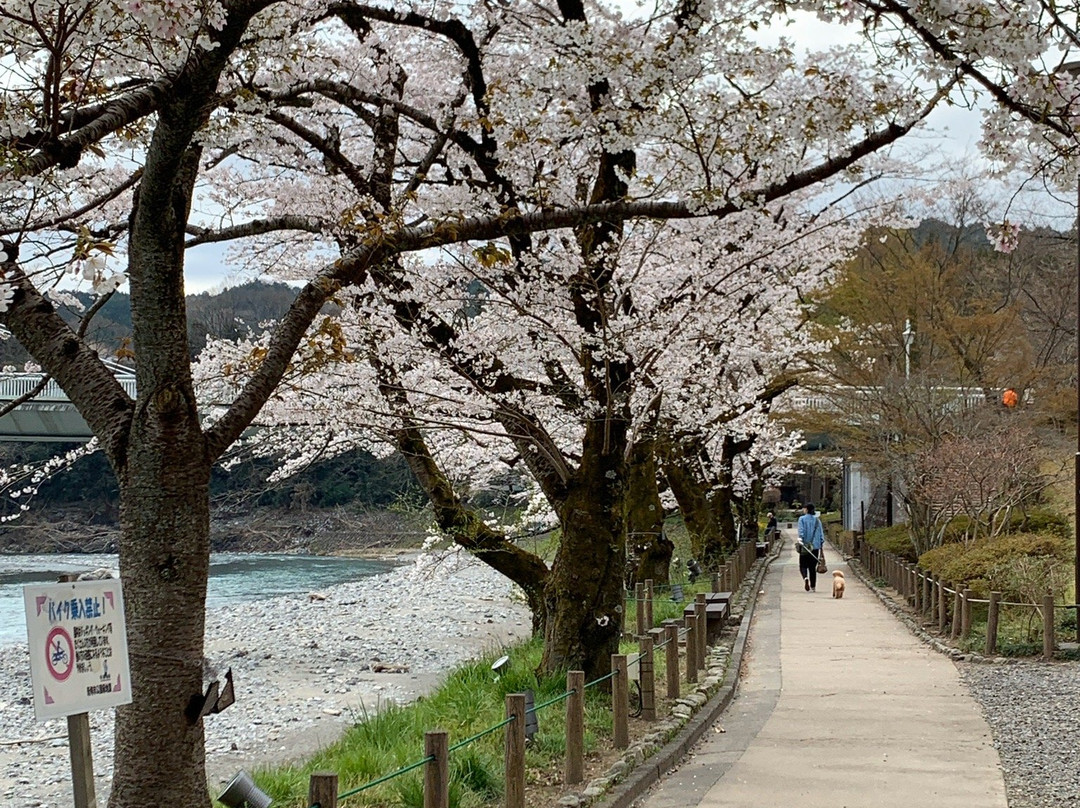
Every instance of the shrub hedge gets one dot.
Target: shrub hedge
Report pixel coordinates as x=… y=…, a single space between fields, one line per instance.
x=893 y=539
x=983 y=562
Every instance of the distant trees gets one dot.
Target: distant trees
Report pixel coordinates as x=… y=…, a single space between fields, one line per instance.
x=928 y=327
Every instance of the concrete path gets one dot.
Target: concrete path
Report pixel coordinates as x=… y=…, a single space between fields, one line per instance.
x=839 y=706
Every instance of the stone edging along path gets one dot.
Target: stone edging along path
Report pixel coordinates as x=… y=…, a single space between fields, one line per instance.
x=652 y=756
x=901 y=613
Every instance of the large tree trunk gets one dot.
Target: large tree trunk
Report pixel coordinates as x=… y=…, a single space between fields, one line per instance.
x=725 y=539
x=645 y=517
x=584 y=591
x=164 y=478
x=695 y=503
x=750 y=505
x=164 y=563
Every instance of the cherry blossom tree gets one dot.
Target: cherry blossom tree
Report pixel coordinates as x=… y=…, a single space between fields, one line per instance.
x=339 y=145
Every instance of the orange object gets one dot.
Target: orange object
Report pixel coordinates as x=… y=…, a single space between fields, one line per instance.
x=1009 y=398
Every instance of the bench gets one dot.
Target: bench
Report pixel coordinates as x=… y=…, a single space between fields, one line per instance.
x=717 y=611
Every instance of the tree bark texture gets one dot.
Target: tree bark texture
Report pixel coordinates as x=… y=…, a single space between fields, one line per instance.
x=645 y=517
x=164 y=564
x=692 y=494
x=584 y=591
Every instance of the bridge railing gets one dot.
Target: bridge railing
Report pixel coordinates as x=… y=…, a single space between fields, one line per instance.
x=843 y=398
x=15 y=385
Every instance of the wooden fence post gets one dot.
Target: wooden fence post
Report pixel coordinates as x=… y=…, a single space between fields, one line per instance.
x=956 y=609
x=639 y=600
x=702 y=631
x=648 y=606
x=927 y=593
x=942 y=605
x=620 y=702
x=437 y=771
x=575 y=727
x=515 y=751
x=1049 y=641
x=322 y=789
x=965 y=614
x=992 y=623
x=671 y=634
x=716 y=582
x=646 y=670
x=690 y=622
x=82 y=760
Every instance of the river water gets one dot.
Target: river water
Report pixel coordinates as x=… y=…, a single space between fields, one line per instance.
x=234 y=578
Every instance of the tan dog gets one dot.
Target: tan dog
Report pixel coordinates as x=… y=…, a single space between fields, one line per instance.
x=837 y=584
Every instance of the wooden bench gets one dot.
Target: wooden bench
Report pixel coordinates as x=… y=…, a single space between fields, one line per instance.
x=717 y=611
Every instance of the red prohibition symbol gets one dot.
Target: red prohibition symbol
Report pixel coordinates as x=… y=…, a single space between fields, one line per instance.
x=59 y=654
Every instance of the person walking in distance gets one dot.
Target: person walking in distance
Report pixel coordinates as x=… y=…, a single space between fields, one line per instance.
x=811 y=540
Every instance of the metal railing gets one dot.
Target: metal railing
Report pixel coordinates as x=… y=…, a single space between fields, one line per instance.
x=16 y=385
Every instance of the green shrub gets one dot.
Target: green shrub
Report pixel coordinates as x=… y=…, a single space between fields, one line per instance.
x=1008 y=563
x=895 y=539
x=1035 y=520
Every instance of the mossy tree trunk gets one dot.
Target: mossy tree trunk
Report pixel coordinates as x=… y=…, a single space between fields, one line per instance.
x=584 y=591
x=651 y=549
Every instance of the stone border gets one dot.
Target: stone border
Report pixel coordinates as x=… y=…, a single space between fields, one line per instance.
x=651 y=757
x=904 y=615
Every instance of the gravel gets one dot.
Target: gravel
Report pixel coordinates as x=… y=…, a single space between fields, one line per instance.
x=305 y=668
x=1032 y=708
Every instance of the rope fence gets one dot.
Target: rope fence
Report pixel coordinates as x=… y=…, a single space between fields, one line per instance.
x=703 y=620
x=950 y=608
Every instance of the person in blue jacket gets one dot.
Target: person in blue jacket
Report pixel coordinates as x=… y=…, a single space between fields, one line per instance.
x=811 y=538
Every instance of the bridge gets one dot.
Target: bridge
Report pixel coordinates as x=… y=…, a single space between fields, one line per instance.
x=48 y=417
x=849 y=400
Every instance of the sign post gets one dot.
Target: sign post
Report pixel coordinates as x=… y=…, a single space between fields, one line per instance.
x=78 y=662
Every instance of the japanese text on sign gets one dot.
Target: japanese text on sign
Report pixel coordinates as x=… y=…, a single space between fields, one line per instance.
x=78 y=647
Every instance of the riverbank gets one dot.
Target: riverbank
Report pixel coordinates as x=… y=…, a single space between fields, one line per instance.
x=305 y=668
x=329 y=531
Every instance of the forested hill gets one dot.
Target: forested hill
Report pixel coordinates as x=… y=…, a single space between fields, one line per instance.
x=234 y=312
x=87 y=493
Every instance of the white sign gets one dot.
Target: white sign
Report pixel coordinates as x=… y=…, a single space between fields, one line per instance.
x=78 y=647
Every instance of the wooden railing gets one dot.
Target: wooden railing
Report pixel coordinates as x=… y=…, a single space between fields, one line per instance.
x=691 y=632
x=946 y=607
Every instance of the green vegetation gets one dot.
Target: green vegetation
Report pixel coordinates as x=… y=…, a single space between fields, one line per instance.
x=1033 y=558
x=1019 y=630
x=895 y=540
x=1022 y=566
x=470 y=701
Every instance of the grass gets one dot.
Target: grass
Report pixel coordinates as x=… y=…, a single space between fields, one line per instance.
x=1019 y=631
x=470 y=701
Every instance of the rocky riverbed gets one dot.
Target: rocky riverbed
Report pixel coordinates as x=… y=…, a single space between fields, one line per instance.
x=305 y=668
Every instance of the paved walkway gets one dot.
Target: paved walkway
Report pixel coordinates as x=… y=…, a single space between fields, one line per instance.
x=839 y=706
